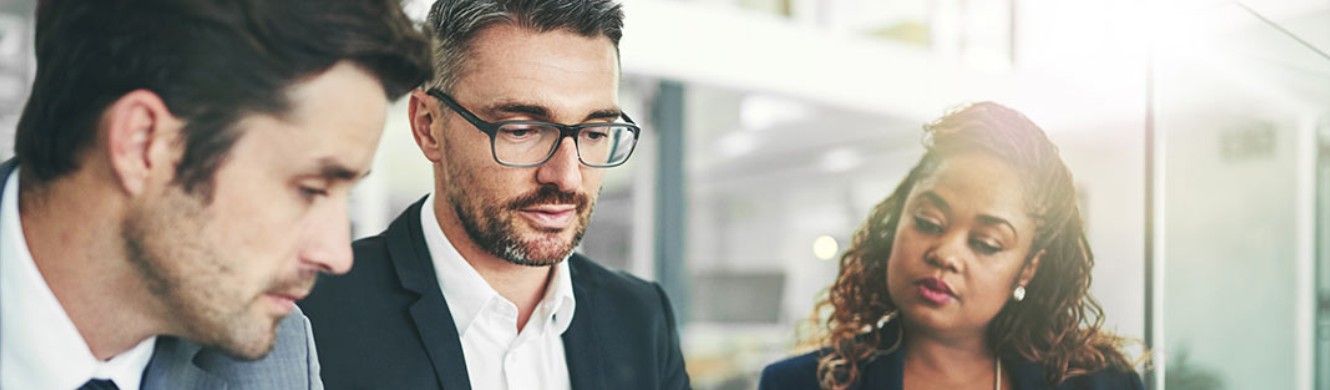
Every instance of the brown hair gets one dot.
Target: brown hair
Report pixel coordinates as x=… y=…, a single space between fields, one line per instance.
x=1057 y=325
x=212 y=62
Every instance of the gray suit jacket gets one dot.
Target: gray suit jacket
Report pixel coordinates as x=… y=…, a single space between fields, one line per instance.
x=292 y=364
x=181 y=364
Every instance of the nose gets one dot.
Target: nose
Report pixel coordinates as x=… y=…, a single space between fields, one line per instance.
x=948 y=253
x=563 y=169
x=327 y=247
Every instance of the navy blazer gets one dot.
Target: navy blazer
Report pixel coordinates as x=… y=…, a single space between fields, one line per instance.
x=887 y=372
x=386 y=324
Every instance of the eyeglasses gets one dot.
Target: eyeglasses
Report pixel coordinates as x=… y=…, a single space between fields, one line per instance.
x=524 y=144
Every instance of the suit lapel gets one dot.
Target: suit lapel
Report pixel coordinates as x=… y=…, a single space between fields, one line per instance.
x=172 y=367
x=415 y=268
x=581 y=343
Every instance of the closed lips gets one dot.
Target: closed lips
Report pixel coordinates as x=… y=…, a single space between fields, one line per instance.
x=937 y=285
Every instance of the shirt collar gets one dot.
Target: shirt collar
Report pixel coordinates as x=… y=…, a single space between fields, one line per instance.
x=559 y=301
x=39 y=346
x=467 y=293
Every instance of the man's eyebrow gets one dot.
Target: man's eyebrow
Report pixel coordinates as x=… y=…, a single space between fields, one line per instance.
x=331 y=169
x=610 y=114
x=542 y=113
x=531 y=110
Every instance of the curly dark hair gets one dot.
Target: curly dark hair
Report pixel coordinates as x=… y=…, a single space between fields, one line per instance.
x=1058 y=325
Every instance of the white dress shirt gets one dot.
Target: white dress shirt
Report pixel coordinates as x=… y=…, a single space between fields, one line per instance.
x=497 y=356
x=39 y=346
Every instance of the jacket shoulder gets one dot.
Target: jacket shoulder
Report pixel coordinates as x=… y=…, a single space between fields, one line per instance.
x=610 y=280
x=363 y=323
x=370 y=278
x=618 y=294
x=629 y=323
x=628 y=297
x=796 y=373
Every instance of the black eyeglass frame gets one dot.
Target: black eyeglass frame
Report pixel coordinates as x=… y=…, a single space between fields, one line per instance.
x=492 y=129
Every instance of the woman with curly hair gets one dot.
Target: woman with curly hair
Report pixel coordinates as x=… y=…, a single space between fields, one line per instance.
x=973 y=274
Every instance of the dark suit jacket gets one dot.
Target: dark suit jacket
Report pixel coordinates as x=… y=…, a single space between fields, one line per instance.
x=386 y=325
x=887 y=372
x=180 y=364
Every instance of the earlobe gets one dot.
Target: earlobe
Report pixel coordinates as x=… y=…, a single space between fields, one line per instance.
x=137 y=127
x=422 y=125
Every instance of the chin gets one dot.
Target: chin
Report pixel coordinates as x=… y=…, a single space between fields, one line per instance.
x=921 y=314
x=549 y=246
x=251 y=350
x=250 y=354
x=251 y=341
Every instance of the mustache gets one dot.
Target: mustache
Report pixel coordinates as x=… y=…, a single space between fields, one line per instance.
x=547 y=195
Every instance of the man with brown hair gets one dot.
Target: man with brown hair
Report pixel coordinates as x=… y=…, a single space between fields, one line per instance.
x=182 y=175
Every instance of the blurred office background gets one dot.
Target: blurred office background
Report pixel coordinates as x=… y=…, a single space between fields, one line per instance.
x=1198 y=132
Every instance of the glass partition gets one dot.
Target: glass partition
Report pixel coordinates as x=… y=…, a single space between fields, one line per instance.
x=1236 y=105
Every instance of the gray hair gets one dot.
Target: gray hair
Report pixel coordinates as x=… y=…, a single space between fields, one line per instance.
x=453 y=23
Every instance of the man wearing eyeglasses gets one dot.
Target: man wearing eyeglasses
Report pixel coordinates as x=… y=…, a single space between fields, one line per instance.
x=477 y=286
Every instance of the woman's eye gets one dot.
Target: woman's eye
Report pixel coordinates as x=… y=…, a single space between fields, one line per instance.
x=985 y=247
x=926 y=226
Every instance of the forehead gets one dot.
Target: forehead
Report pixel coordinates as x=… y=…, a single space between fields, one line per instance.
x=557 y=68
x=975 y=184
x=335 y=117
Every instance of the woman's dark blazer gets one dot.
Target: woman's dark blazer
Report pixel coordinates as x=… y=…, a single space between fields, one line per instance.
x=887 y=372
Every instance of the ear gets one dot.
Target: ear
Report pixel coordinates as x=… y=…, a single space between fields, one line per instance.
x=1030 y=269
x=423 y=111
x=139 y=130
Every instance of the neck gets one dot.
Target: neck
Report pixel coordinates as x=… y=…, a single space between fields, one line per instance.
x=77 y=248
x=522 y=285
x=947 y=361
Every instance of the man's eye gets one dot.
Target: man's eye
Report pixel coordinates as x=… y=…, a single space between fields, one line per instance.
x=309 y=193
x=518 y=133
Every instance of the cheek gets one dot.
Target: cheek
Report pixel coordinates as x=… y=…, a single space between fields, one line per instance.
x=476 y=173
x=270 y=247
x=591 y=180
x=906 y=249
x=263 y=235
x=466 y=151
x=899 y=263
x=993 y=283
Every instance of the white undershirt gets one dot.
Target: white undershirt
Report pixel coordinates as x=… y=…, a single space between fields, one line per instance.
x=39 y=346
x=498 y=356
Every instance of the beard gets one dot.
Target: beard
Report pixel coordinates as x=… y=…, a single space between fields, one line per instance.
x=171 y=246
x=493 y=227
